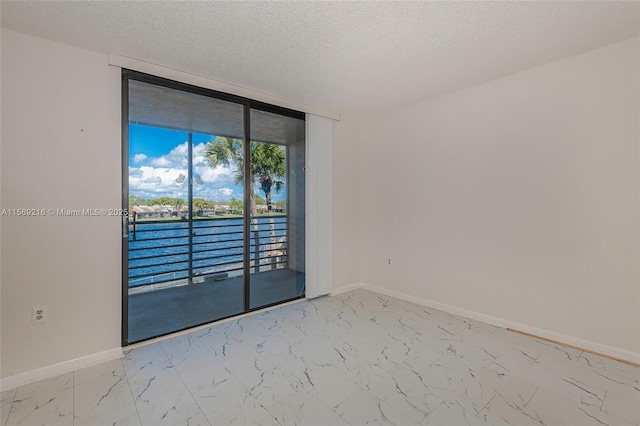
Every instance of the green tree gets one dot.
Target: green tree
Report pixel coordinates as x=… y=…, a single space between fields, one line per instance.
x=267 y=166
x=236 y=205
x=270 y=168
x=162 y=201
x=178 y=203
x=135 y=200
x=200 y=204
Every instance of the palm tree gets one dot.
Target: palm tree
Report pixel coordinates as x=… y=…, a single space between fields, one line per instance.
x=270 y=167
x=268 y=164
x=178 y=203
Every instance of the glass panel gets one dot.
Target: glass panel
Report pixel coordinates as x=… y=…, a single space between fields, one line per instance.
x=277 y=209
x=185 y=257
x=218 y=225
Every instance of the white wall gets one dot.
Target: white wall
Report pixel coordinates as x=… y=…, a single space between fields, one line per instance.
x=346 y=202
x=517 y=198
x=60 y=149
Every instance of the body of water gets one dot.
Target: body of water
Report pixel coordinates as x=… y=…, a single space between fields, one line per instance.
x=160 y=250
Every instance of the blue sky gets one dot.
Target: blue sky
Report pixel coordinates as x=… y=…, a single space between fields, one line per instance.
x=158 y=156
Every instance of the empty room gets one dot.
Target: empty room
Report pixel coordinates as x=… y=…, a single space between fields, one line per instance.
x=319 y=213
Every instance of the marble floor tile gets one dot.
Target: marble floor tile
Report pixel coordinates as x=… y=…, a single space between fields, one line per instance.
x=352 y=359
x=435 y=379
x=501 y=412
x=416 y=403
x=293 y=332
x=560 y=383
x=364 y=408
x=246 y=328
x=144 y=362
x=164 y=400
x=606 y=366
x=277 y=316
x=506 y=386
x=324 y=327
x=622 y=407
x=127 y=421
x=231 y=403
x=261 y=378
x=552 y=409
x=325 y=382
x=447 y=323
x=388 y=349
x=479 y=327
x=339 y=353
x=186 y=349
x=449 y=369
x=274 y=348
x=363 y=300
x=102 y=395
x=6 y=399
x=47 y=402
x=159 y=393
x=225 y=345
x=220 y=396
x=474 y=356
x=539 y=344
x=619 y=383
x=451 y=415
x=355 y=324
x=304 y=409
x=497 y=347
x=197 y=419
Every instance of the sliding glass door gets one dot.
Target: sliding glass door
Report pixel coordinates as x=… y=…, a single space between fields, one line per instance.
x=214 y=187
x=277 y=213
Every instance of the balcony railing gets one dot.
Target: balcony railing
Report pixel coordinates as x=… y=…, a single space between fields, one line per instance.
x=161 y=253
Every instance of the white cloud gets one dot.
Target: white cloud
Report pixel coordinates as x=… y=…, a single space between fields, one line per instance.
x=225 y=191
x=160 y=162
x=158 y=177
x=176 y=158
x=139 y=158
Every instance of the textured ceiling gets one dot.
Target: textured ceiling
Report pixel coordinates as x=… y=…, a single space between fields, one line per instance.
x=350 y=57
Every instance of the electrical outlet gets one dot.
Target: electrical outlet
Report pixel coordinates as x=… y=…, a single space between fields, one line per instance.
x=38 y=314
x=389 y=261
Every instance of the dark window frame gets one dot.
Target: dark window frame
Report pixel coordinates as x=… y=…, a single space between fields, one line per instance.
x=248 y=104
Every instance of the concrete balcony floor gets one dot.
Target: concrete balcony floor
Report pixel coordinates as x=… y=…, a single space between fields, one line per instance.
x=160 y=312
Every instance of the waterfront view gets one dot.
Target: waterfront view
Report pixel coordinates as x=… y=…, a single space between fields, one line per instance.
x=215 y=223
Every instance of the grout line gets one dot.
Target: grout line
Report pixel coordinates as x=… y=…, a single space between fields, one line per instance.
x=13 y=398
x=133 y=399
x=73 y=397
x=606 y=393
x=182 y=380
x=626 y=361
x=485 y=405
x=531 y=397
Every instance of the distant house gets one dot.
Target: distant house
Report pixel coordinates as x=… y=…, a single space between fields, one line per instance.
x=152 y=212
x=222 y=209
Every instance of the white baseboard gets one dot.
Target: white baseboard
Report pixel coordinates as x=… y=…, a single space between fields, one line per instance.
x=500 y=322
x=60 y=368
x=347 y=288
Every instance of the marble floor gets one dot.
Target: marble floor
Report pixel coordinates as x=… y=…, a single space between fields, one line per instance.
x=352 y=359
